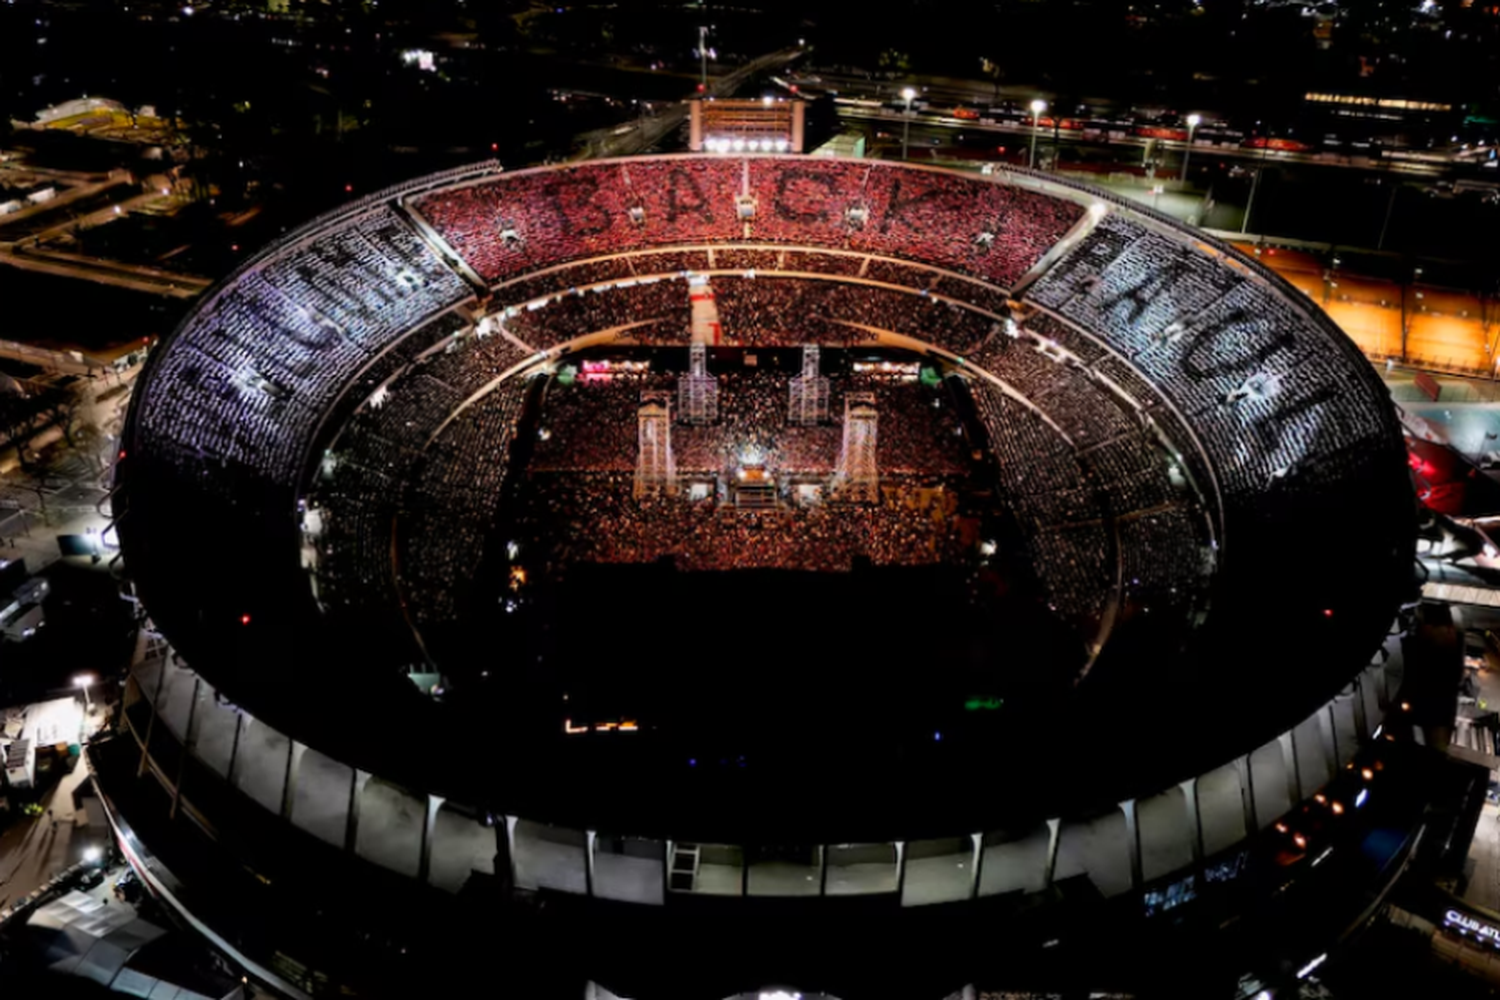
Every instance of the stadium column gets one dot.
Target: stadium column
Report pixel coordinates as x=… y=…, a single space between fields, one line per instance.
x=590 y=837
x=504 y=870
x=1132 y=841
x=188 y=743
x=1327 y=738
x=1361 y=720
x=153 y=701
x=294 y=754
x=357 y=783
x=1289 y=758
x=1194 y=818
x=1054 y=829
x=234 y=747
x=900 y=869
x=510 y=844
x=1247 y=792
x=975 y=864
x=429 y=824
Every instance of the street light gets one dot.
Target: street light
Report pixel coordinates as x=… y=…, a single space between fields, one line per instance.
x=908 y=94
x=1037 y=107
x=703 y=59
x=83 y=681
x=1193 y=121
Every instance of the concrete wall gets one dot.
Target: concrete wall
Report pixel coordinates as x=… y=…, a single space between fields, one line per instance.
x=390 y=827
x=938 y=871
x=321 y=796
x=1098 y=848
x=260 y=763
x=630 y=870
x=1018 y=865
x=1168 y=831
x=461 y=845
x=1221 y=809
x=861 y=869
x=175 y=702
x=1310 y=740
x=549 y=857
x=1269 y=778
x=258 y=760
x=213 y=732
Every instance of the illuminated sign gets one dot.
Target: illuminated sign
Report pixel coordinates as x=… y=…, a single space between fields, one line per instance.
x=1396 y=103
x=983 y=704
x=1464 y=923
x=623 y=726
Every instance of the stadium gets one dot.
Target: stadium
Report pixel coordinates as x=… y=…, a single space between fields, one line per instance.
x=691 y=550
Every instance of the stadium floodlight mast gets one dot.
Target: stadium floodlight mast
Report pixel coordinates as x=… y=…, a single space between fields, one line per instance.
x=1037 y=107
x=1193 y=121
x=908 y=94
x=83 y=681
x=703 y=53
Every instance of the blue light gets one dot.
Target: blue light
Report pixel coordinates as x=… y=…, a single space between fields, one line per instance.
x=937 y=736
x=692 y=762
x=1359 y=800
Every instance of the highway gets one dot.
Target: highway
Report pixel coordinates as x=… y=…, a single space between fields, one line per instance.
x=924 y=125
x=29 y=253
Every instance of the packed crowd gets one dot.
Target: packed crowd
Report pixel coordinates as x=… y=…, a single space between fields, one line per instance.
x=1163 y=557
x=1263 y=390
x=763 y=311
x=450 y=503
x=592 y=426
x=1060 y=385
x=520 y=222
x=572 y=314
x=594 y=518
x=359 y=487
x=742 y=261
x=248 y=380
x=523 y=221
x=772 y=311
x=1181 y=345
x=1069 y=498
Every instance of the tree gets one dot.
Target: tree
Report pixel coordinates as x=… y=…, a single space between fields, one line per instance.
x=895 y=63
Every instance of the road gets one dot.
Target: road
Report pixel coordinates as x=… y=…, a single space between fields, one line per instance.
x=33 y=850
x=926 y=126
x=653 y=129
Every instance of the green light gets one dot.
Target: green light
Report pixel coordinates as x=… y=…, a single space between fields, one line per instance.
x=977 y=704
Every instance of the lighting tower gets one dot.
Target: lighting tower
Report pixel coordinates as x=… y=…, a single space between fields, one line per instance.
x=703 y=59
x=1193 y=122
x=809 y=391
x=655 y=470
x=697 y=391
x=907 y=94
x=858 y=479
x=1037 y=107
